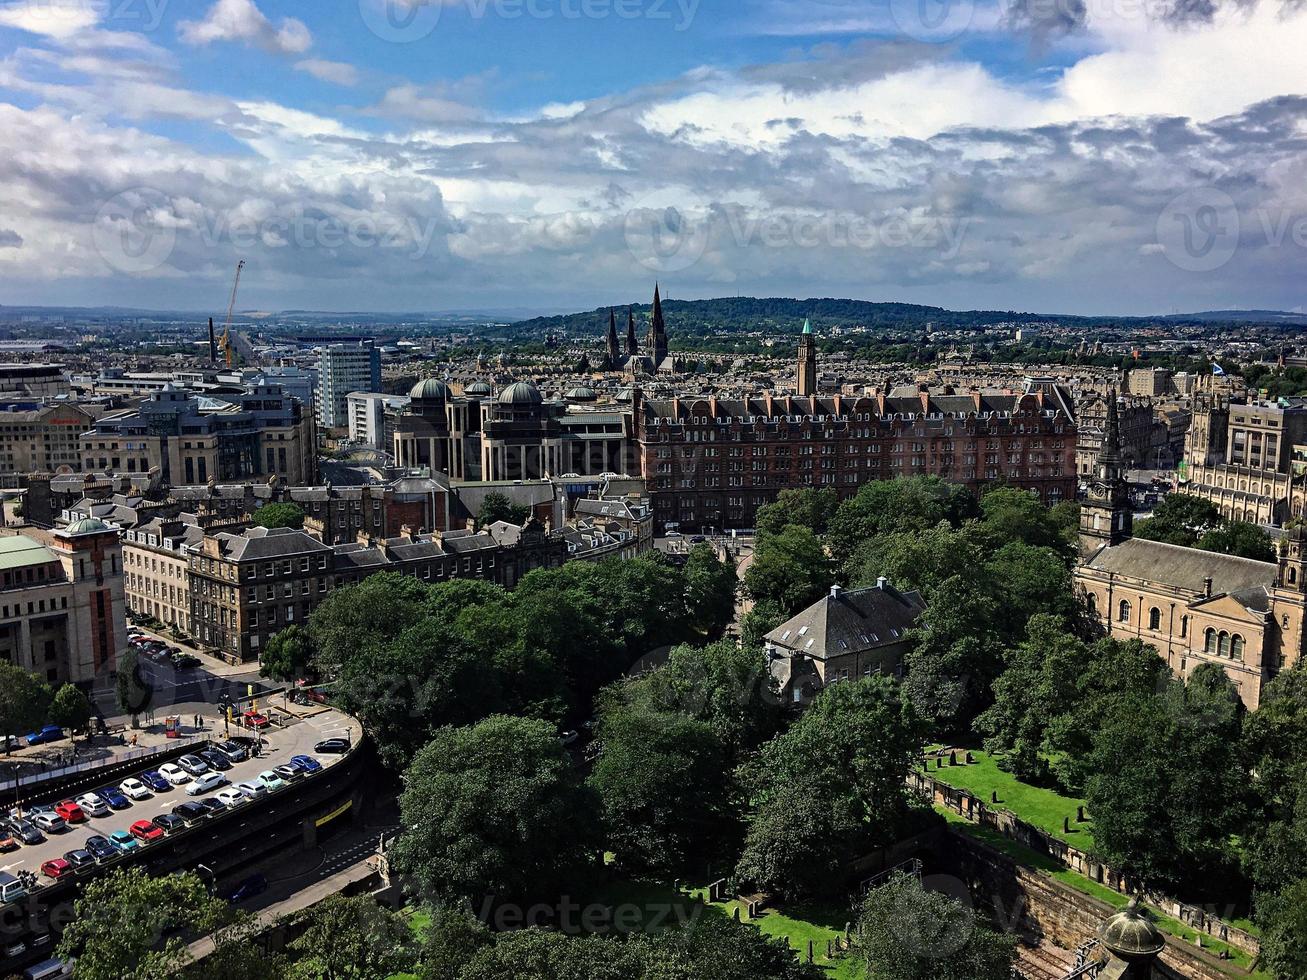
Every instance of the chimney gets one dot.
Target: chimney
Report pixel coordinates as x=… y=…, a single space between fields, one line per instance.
x=1207 y=586
x=882 y=582
x=835 y=591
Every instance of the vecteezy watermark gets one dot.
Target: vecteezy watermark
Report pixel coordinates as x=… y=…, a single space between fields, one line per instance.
x=138 y=230
x=406 y=21
x=934 y=937
x=594 y=919
x=932 y=21
x=1202 y=229
x=69 y=15
x=670 y=237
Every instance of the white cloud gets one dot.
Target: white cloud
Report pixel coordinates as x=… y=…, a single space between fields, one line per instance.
x=243 y=21
x=335 y=72
x=58 y=19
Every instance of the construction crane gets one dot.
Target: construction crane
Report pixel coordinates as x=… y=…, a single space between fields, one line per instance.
x=229 y=352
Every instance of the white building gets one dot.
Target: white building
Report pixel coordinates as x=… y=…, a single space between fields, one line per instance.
x=342 y=369
x=367 y=416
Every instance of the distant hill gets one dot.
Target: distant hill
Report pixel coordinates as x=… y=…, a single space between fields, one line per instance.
x=1241 y=316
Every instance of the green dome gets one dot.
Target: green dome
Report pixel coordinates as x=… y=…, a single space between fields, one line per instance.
x=430 y=389
x=477 y=389
x=582 y=393
x=521 y=393
x=87 y=525
x=1131 y=935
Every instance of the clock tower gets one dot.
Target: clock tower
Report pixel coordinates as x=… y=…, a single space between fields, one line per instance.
x=1105 y=516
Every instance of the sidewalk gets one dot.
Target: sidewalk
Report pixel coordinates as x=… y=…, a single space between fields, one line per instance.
x=211 y=664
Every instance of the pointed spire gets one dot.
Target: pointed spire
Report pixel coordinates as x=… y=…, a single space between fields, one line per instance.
x=632 y=347
x=1111 y=448
x=807 y=325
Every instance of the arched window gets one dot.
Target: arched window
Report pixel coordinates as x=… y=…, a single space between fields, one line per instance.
x=1293 y=575
x=1123 y=612
x=1154 y=618
x=1223 y=646
x=1209 y=641
x=1236 y=647
x=1184 y=627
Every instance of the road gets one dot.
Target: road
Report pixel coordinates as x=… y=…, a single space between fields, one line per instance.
x=295 y=739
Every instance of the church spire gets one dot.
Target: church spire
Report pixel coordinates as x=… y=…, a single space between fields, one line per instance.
x=657 y=331
x=632 y=347
x=611 y=349
x=1109 y=461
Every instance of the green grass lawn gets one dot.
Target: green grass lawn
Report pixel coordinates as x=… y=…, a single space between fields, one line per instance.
x=1042 y=808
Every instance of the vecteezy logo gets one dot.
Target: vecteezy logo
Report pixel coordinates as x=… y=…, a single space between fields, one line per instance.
x=932 y=21
x=401 y=21
x=945 y=929
x=134 y=231
x=1199 y=230
x=665 y=236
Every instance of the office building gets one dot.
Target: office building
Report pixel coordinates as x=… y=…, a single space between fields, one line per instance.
x=342 y=369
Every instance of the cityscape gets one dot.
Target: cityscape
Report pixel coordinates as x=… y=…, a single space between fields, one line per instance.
x=570 y=491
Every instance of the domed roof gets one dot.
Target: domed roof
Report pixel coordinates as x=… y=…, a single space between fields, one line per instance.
x=87 y=525
x=581 y=392
x=624 y=395
x=521 y=393
x=1131 y=935
x=430 y=389
x=477 y=388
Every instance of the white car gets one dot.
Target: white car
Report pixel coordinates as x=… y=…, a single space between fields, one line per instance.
x=174 y=773
x=231 y=796
x=252 y=788
x=93 y=805
x=206 y=782
x=134 y=789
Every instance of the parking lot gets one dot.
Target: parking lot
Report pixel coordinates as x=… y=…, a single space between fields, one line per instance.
x=279 y=746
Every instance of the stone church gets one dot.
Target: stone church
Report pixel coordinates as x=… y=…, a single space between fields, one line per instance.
x=1192 y=606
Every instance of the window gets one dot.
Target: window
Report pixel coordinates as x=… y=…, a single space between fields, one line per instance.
x=1236 y=647
x=1184 y=627
x=1209 y=641
x=1123 y=611
x=1154 y=618
x=1223 y=644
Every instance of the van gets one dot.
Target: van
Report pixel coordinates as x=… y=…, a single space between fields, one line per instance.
x=11 y=889
x=48 y=970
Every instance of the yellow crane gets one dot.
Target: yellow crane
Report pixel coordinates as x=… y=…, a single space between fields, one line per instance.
x=229 y=352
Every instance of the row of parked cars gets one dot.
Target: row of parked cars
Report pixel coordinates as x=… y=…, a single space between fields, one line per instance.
x=200 y=773
x=160 y=652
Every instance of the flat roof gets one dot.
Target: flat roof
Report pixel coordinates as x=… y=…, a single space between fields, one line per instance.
x=20 y=552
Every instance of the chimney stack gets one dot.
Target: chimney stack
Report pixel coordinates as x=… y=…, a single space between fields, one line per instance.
x=1207 y=586
x=882 y=582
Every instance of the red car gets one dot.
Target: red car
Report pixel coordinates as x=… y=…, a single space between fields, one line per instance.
x=253 y=719
x=70 y=811
x=7 y=842
x=56 y=868
x=145 y=831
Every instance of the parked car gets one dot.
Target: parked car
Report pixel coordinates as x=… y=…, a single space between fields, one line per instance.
x=193 y=764
x=7 y=840
x=252 y=789
x=306 y=764
x=271 y=780
x=100 y=848
x=10 y=742
x=206 y=783
x=232 y=796
x=26 y=831
x=332 y=746
x=185 y=661
x=51 y=823
x=155 y=780
x=215 y=805
x=232 y=750
x=216 y=760
x=134 y=789
x=123 y=841
x=190 y=812
x=146 y=830
x=70 y=812
x=55 y=868
x=174 y=773
x=255 y=720
x=79 y=858
x=167 y=822
x=288 y=773
x=113 y=797
x=50 y=733
x=251 y=886
x=92 y=804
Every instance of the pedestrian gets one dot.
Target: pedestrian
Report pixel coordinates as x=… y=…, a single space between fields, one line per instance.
x=133 y=740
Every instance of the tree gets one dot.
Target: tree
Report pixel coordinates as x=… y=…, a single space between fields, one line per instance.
x=831 y=786
x=1283 y=919
x=496 y=507
x=908 y=933
x=808 y=507
x=494 y=810
x=536 y=954
x=1275 y=746
x=920 y=560
x=352 y=938
x=24 y=701
x=710 y=588
x=790 y=569
x=126 y=924
x=1179 y=519
x=280 y=515
x=71 y=709
x=288 y=654
x=764 y=617
x=915 y=503
x=1010 y=515
x=666 y=804
x=365 y=616
x=1239 y=538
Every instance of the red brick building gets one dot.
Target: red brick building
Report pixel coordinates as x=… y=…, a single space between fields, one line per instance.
x=712 y=462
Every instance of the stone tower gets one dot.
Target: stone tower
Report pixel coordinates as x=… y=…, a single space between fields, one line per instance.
x=632 y=347
x=1105 y=516
x=807 y=372
x=612 y=352
x=657 y=342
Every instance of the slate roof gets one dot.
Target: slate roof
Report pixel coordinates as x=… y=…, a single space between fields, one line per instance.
x=1183 y=568
x=258 y=543
x=850 y=621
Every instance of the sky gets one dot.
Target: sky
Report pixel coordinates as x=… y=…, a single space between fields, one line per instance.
x=1061 y=156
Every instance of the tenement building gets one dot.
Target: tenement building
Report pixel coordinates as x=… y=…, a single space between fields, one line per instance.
x=1247 y=456
x=61 y=601
x=1192 y=606
x=712 y=462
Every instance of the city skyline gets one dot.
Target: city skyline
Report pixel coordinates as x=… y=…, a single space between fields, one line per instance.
x=1094 y=159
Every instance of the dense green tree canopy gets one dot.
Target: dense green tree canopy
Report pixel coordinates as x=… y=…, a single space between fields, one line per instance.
x=710 y=589
x=352 y=939
x=789 y=568
x=808 y=507
x=288 y=654
x=497 y=507
x=280 y=515
x=71 y=709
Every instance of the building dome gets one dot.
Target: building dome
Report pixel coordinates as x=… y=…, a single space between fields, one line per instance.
x=1131 y=935
x=87 y=525
x=581 y=393
x=624 y=395
x=430 y=389
x=477 y=389
x=521 y=393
